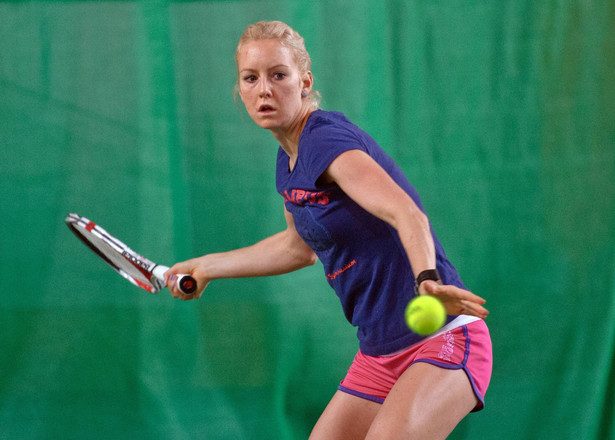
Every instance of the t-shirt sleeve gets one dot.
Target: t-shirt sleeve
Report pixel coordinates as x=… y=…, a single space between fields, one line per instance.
x=323 y=144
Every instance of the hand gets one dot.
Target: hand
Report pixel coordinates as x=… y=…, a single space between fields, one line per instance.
x=456 y=301
x=190 y=267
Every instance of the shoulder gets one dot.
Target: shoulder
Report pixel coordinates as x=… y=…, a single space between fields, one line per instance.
x=325 y=136
x=328 y=125
x=321 y=119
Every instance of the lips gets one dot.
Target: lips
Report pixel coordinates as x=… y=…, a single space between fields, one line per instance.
x=266 y=108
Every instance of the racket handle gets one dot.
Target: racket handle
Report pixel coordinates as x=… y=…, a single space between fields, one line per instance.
x=185 y=282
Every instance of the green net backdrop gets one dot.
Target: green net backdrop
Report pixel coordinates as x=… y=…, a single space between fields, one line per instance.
x=501 y=113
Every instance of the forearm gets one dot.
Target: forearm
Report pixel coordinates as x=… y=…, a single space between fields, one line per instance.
x=415 y=235
x=364 y=181
x=277 y=254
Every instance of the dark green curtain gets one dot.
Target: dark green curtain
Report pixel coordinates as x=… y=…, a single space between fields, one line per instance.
x=501 y=113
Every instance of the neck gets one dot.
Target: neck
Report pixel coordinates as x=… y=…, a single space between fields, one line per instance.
x=288 y=137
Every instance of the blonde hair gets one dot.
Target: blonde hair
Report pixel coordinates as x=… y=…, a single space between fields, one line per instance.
x=288 y=37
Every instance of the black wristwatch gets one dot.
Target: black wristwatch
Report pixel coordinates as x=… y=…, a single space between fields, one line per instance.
x=430 y=274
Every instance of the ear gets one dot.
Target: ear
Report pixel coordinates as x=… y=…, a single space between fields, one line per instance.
x=237 y=92
x=306 y=83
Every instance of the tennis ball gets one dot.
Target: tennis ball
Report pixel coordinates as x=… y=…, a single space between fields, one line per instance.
x=425 y=315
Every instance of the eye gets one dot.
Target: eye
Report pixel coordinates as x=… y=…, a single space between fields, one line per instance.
x=279 y=75
x=249 y=78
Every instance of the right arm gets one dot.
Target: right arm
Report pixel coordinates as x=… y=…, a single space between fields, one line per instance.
x=278 y=254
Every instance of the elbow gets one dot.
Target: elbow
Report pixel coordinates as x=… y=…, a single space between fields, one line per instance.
x=305 y=255
x=299 y=254
x=308 y=257
x=312 y=259
x=411 y=216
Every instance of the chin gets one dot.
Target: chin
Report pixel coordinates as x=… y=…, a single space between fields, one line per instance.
x=267 y=124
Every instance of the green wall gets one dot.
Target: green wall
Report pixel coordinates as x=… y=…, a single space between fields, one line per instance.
x=500 y=112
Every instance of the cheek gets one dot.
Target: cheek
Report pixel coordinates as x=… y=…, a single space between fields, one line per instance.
x=289 y=93
x=246 y=96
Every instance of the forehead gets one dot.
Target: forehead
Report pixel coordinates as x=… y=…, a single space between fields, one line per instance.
x=263 y=53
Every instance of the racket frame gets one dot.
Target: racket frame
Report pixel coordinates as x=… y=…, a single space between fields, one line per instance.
x=153 y=272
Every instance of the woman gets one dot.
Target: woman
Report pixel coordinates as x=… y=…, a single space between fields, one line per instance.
x=348 y=205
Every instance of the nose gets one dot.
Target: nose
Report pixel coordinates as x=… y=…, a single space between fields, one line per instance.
x=265 y=89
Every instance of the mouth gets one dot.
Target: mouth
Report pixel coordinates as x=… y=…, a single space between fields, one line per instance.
x=266 y=108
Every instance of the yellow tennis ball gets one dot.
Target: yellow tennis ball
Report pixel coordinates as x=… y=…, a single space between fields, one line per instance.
x=425 y=315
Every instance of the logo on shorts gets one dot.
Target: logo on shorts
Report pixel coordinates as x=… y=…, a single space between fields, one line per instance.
x=446 y=352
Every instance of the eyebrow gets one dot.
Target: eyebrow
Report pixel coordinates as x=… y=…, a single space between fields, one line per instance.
x=272 y=68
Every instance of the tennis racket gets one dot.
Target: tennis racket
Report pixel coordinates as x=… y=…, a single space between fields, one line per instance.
x=134 y=267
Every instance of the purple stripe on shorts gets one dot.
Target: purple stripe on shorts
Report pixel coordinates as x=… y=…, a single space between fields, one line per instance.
x=463 y=366
x=372 y=377
x=362 y=395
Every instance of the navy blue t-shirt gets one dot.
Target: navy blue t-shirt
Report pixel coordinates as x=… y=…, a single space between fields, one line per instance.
x=363 y=258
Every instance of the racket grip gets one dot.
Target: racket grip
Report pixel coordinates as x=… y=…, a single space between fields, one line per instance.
x=185 y=282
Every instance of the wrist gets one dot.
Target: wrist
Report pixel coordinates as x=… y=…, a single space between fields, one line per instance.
x=429 y=274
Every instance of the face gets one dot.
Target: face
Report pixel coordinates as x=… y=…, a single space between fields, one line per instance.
x=270 y=84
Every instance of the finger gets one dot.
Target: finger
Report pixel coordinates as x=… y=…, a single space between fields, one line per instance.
x=430 y=287
x=474 y=309
x=469 y=296
x=169 y=276
x=457 y=292
x=175 y=292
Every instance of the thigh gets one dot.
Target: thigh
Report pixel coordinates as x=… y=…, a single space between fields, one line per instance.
x=427 y=402
x=347 y=417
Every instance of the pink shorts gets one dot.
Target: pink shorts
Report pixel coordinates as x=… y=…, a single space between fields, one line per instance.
x=467 y=347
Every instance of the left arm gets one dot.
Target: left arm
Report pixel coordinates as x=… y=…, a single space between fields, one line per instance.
x=364 y=181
